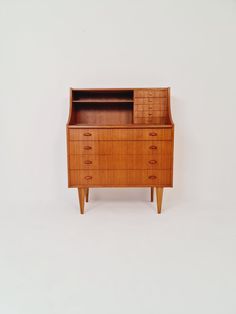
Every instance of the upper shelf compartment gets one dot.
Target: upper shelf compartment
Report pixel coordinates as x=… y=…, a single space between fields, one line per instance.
x=102 y=96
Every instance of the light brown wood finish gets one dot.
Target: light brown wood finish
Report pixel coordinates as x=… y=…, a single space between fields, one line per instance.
x=120 y=137
x=120 y=147
x=159 y=193
x=119 y=177
x=81 y=192
x=119 y=162
x=111 y=134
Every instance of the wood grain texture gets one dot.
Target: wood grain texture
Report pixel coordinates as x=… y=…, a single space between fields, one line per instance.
x=120 y=177
x=119 y=134
x=159 y=192
x=81 y=193
x=120 y=147
x=122 y=162
x=120 y=137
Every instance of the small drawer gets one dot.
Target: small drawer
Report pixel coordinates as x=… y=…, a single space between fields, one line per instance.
x=151 y=120
x=120 y=177
x=159 y=92
x=150 y=113
x=151 y=101
x=159 y=107
x=145 y=114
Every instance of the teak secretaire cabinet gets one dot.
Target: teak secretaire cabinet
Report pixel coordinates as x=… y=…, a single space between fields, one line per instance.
x=120 y=137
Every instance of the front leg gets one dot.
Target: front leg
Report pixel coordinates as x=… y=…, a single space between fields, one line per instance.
x=159 y=192
x=81 y=193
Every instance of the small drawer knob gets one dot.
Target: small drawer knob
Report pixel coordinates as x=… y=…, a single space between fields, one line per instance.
x=88 y=177
x=87 y=134
x=87 y=147
x=152 y=162
x=88 y=162
x=153 y=147
x=153 y=134
x=152 y=177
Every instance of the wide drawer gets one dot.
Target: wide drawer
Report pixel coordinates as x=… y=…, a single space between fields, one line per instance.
x=105 y=162
x=150 y=93
x=119 y=134
x=120 y=147
x=120 y=177
x=151 y=101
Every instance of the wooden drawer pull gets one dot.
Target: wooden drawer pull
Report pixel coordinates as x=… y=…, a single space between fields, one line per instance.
x=152 y=162
x=87 y=147
x=150 y=100
x=88 y=177
x=153 y=147
x=152 y=177
x=88 y=162
x=153 y=134
x=87 y=134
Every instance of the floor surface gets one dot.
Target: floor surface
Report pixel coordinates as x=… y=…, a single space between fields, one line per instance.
x=120 y=257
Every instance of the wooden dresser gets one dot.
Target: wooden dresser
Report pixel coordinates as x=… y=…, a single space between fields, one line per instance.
x=120 y=137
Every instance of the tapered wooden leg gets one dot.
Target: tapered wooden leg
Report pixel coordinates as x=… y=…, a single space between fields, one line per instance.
x=87 y=194
x=152 y=190
x=159 y=192
x=81 y=200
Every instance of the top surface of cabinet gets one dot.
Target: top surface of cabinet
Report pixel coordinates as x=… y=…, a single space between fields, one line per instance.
x=120 y=108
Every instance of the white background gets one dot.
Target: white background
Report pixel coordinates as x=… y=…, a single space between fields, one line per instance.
x=120 y=257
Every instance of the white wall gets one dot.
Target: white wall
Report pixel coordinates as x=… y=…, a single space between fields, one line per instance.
x=49 y=46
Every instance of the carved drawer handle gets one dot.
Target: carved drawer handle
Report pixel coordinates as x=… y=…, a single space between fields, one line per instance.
x=152 y=177
x=152 y=162
x=87 y=134
x=153 y=147
x=150 y=114
x=87 y=147
x=153 y=134
x=150 y=93
x=88 y=162
x=88 y=177
x=150 y=99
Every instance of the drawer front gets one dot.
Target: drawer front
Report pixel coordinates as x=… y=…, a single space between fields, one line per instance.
x=120 y=147
x=148 y=120
x=162 y=102
x=146 y=92
x=159 y=107
x=106 y=162
x=121 y=177
x=150 y=113
x=119 y=134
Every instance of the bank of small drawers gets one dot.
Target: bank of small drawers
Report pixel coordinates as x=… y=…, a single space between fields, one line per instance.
x=151 y=106
x=139 y=157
